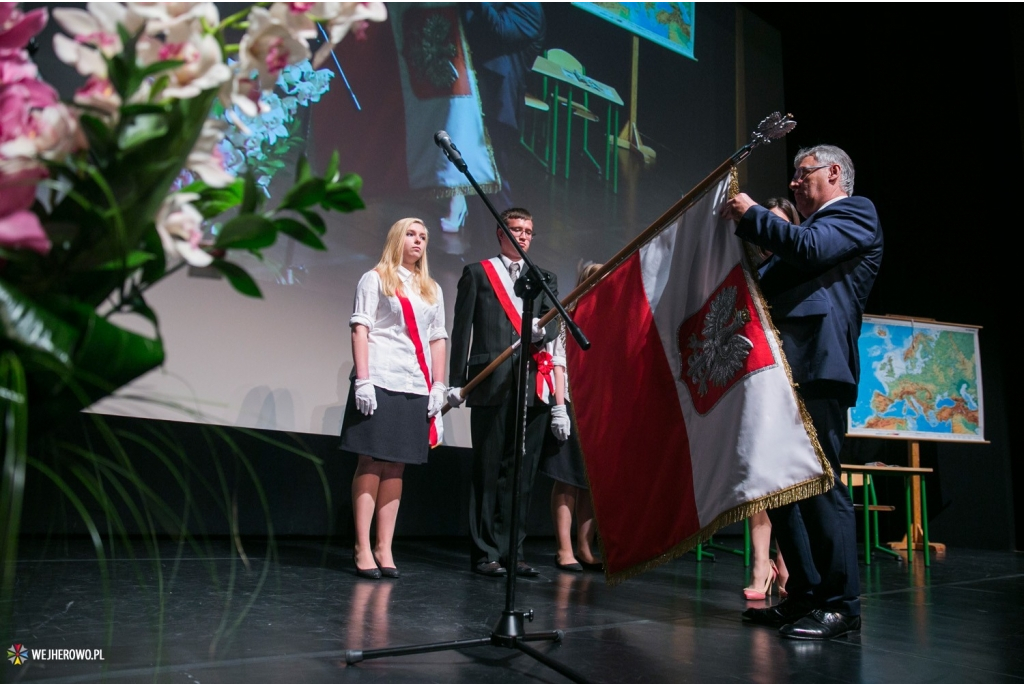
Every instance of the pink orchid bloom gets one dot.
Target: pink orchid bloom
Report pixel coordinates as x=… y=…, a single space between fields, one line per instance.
x=21 y=230
x=16 y=27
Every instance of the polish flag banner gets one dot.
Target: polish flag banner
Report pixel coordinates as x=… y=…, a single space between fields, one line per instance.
x=684 y=404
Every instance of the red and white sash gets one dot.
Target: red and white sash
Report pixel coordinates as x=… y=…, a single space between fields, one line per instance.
x=414 y=332
x=502 y=284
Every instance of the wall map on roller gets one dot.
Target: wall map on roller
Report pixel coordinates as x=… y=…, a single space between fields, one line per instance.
x=919 y=380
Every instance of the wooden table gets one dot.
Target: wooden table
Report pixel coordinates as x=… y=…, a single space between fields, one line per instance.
x=574 y=80
x=912 y=483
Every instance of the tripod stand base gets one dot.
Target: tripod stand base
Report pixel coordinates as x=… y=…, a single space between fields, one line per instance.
x=507 y=633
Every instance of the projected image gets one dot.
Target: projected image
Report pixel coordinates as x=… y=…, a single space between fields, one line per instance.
x=555 y=109
x=669 y=24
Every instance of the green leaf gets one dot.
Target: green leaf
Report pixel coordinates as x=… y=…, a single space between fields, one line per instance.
x=153 y=270
x=156 y=67
x=353 y=182
x=99 y=136
x=331 y=175
x=252 y=196
x=134 y=260
x=238 y=277
x=343 y=200
x=142 y=108
x=305 y=194
x=247 y=231
x=302 y=171
x=314 y=220
x=301 y=232
x=143 y=128
x=29 y=326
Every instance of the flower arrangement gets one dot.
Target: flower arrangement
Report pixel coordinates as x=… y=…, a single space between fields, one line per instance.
x=91 y=211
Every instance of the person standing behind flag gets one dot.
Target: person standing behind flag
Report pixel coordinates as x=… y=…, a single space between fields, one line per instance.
x=817 y=284
x=570 y=494
x=765 y=571
x=398 y=351
x=489 y=313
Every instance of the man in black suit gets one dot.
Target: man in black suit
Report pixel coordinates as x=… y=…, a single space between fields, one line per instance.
x=485 y=308
x=817 y=283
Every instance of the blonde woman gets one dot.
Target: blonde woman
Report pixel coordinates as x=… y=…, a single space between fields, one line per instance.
x=398 y=350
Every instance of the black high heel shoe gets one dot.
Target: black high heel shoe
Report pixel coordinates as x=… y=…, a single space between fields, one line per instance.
x=368 y=573
x=386 y=571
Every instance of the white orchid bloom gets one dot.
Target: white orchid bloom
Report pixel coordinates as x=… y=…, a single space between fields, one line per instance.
x=179 y=226
x=268 y=47
x=294 y=17
x=176 y=20
x=95 y=35
x=203 y=66
x=206 y=159
x=339 y=17
x=52 y=133
x=99 y=96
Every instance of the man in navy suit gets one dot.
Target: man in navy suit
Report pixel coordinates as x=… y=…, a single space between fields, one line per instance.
x=817 y=283
x=505 y=38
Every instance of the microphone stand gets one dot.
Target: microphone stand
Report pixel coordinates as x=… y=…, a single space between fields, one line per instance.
x=509 y=632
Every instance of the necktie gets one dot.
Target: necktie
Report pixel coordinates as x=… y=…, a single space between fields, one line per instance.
x=513 y=271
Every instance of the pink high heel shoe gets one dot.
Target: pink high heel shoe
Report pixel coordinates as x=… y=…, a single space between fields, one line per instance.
x=752 y=593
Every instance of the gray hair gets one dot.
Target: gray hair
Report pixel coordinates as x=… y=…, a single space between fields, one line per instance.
x=830 y=154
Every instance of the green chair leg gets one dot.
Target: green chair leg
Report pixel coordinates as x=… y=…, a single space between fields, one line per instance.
x=908 y=486
x=924 y=524
x=866 y=487
x=746 y=543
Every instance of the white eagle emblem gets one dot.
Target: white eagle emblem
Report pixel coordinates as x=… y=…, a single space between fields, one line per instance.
x=721 y=352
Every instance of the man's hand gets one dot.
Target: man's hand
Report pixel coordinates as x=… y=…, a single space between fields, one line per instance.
x=560 y=422
x=366 y=396
x=735 y=208
x=455 y=398
x=436 y=400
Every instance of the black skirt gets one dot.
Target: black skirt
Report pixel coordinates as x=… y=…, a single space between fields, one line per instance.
x=563 y=461
x=398 y=430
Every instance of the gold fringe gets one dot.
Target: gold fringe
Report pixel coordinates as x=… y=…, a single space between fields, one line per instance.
x=444 y=193
x=794 y=493
x=734 y=181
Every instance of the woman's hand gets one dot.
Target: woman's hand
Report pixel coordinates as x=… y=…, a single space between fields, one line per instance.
x=435 y=403
x=366 y=396
x=560 y=422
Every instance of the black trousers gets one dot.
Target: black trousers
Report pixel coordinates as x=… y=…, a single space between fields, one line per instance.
x=818 y=536
x=490 y=496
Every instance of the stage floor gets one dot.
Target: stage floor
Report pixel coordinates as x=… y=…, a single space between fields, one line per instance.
x=293 y=618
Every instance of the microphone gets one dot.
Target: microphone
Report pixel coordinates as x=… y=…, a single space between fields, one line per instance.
x=444 y=141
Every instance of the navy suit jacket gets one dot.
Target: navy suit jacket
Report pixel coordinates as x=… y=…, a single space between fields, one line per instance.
x=817 y=283
x=505 y=38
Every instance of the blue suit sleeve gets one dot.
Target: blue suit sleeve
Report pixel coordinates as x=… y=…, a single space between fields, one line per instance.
x=515 y=24
x=830 y=236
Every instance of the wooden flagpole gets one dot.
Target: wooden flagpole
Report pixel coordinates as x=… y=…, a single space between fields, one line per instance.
x=772 y=127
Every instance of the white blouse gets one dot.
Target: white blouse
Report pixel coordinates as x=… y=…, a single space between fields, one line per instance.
x=393 y=364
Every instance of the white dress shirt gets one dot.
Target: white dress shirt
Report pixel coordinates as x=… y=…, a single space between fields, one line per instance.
x=393 y=364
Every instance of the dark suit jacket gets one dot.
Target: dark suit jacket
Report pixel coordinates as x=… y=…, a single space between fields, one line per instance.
x=480 y=318
x=817 y=283
x=505 y=38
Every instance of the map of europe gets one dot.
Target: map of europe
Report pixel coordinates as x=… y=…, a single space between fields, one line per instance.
x=669 y=24
x=918 y=380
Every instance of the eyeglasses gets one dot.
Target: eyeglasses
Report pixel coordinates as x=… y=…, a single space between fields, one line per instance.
x=803 y=172
x=516 y=230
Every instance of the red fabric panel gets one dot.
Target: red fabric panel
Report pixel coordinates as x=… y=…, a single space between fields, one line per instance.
x=630 y=425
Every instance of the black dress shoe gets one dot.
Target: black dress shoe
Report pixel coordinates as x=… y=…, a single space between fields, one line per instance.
x=574 y=567
x=788 y=611
x=386 y=571
x=524 y=569
x=820 y=625
x=592 y=565
x=490 y=568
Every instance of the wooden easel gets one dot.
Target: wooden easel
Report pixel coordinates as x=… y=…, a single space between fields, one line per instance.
x=629 y=136
x=937 y=548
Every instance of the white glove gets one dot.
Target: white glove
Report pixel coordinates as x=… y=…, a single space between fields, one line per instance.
x=436 y=399
x=455 y=398
x=560 y=422
x=366 y=396
x=538 y=332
